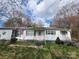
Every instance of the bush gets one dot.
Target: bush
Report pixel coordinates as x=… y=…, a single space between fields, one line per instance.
x=4 y=42
x=58 y=41
x=39 y=43
x=13 y=40
x=70 y=44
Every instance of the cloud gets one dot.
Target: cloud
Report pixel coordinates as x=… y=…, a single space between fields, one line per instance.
x=46 y=25
x=47 y=7
x=38 y=8
x=41 y=21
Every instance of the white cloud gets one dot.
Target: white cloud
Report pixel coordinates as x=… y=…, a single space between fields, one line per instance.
x=47 y=7
x=41 y=21
x=3 y=18
x=32 y=4
x=43 y=9
x=46 y=25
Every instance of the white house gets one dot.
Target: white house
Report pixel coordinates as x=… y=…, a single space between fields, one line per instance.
x=5 y=33
x=39 y=33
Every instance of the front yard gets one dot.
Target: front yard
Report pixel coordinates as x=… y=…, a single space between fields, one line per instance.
x=29 y=50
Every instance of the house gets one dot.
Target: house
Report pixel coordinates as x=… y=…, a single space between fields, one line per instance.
x=5 y=33
x=38 y=33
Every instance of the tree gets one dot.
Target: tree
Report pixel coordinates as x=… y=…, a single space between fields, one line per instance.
x=39 y=22
x=14 y=12
x=10 y=9
x=69 y=16
x=18 y=19
x=12 y=23
x=8 y=6
x=28 y=22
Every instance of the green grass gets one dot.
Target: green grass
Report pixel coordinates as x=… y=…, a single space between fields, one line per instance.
x=49 y=51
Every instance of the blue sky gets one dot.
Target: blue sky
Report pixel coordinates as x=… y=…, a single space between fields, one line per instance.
x=1 y=23
x=43 y=10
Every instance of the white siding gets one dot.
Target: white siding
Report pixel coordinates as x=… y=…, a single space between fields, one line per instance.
x=50 y=35
x=65 y=36
x=5 y=34
x=30 y=32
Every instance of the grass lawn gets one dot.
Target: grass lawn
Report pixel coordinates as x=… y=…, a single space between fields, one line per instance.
x=20 y=50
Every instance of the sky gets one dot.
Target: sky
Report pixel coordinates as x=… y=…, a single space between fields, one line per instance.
x=43 y=10
x=46 y=9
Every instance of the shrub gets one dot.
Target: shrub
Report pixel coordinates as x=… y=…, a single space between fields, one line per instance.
x=58 y=41
x=70 y=44
x=4 y=42
x=39 y=43
x=13 y=40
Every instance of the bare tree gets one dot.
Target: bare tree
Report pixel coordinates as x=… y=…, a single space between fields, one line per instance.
x=13 y=10
x=20 y=21
x=39 y=23
x=8 y=9
x=69 y=16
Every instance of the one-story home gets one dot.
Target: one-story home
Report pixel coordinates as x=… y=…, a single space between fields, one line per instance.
x=38 y=33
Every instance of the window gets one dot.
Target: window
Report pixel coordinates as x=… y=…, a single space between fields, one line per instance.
x=30 y=32
x=52 y=32
x=63 y=32
x=48 y=32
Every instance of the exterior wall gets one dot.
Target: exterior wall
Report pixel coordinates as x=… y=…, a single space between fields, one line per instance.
x=29 y=35
x=50 y=35
x=69 y=35
x=5 y=34
x=44 y=35
x=65 y=37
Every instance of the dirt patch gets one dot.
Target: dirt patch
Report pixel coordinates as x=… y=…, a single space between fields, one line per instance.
x=14 y=46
